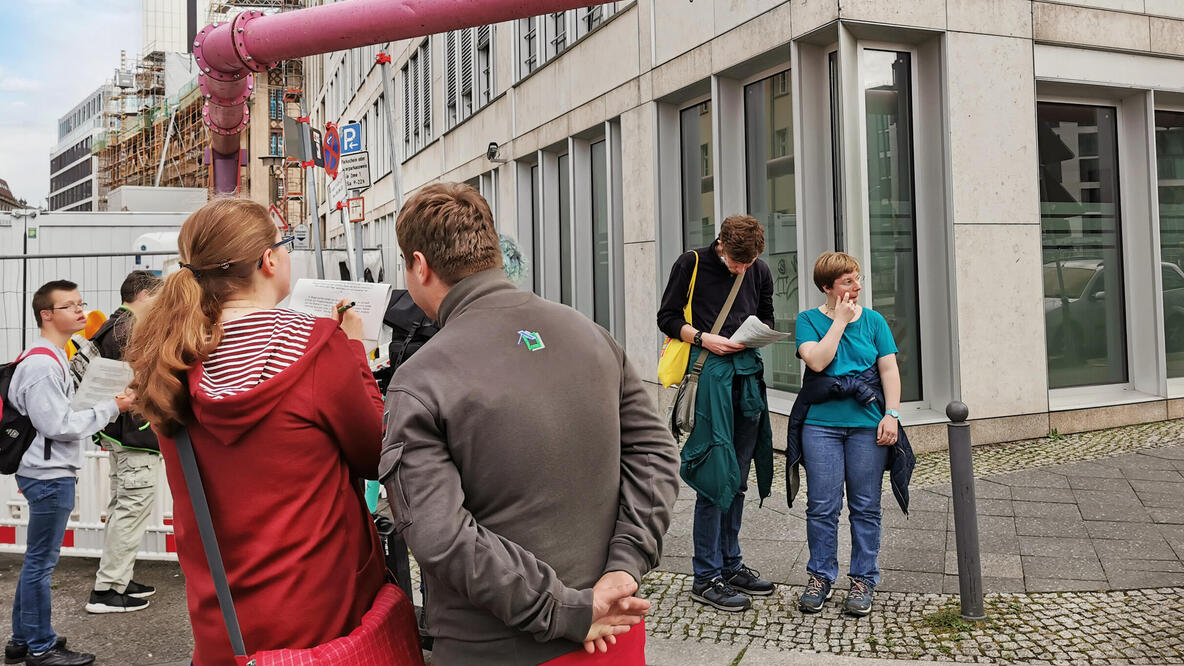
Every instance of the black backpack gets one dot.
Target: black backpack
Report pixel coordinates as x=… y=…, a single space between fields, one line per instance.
x=16 y=430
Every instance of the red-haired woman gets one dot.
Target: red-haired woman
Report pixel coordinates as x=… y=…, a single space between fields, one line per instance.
x=284 y=417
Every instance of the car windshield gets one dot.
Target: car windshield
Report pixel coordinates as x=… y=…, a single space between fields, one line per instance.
x=1073 y=278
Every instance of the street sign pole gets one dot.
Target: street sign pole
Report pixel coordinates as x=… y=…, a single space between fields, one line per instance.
x=310 y=192
x=388 y=93
x=353 y=247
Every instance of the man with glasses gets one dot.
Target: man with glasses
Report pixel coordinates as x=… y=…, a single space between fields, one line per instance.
x=41 y=389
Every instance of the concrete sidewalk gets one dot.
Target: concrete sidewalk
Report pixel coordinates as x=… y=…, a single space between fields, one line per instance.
x=668 y=652
x=1082 y=561
x=1114 y=523
x=1070 y=525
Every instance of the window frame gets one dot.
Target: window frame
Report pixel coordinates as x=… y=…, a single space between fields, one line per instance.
x=785 y=67
x=545 y=35
x=1061 y=399
x=679 y=109
x=934 y=272
x=483 y=80
x=1174 y=386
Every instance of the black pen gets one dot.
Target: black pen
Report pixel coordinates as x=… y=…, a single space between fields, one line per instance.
x=345 y=307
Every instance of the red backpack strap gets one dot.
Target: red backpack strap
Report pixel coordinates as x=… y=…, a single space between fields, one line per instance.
x=41 y=351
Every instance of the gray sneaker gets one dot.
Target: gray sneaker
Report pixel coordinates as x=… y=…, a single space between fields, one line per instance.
x=818 y=590
x=718 y=594
x=859 y=599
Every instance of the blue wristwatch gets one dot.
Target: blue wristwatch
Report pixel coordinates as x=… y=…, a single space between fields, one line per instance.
x=893 y=413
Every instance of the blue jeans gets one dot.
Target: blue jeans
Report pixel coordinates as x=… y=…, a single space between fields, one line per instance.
x=716 y=532
x=50 y=503
x=834 y=456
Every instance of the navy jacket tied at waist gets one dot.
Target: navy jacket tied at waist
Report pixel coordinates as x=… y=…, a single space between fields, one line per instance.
x=865 y=388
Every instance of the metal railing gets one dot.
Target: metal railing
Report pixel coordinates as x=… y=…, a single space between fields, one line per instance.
x=98 y=275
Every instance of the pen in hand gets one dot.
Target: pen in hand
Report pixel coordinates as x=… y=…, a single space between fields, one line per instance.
x=346 y=307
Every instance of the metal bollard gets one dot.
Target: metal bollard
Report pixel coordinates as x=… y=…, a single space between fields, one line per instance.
x=970 y=575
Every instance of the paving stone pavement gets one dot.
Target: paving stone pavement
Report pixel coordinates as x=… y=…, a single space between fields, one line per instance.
x=1027 y=495
x=1083 y=561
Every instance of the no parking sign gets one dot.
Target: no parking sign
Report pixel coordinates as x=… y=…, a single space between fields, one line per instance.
x=332 y=150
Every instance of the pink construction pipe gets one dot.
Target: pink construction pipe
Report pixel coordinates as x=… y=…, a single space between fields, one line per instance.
x=227 y=53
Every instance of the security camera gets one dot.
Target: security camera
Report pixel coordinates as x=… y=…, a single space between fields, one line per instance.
x=491 y=153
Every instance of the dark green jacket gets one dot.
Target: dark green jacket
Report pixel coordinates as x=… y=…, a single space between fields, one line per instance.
x=709 y=456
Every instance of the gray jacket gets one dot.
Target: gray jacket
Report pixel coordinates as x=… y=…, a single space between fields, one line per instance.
x=42 y=391
x=520 y=477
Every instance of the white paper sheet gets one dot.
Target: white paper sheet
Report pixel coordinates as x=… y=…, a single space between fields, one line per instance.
x=753 y=333
x=104 y=379
x=319 y=297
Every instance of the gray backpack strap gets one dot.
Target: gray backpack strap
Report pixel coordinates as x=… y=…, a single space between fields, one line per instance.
x=205 y=527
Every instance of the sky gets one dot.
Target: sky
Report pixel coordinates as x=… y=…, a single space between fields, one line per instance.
x=53 y=53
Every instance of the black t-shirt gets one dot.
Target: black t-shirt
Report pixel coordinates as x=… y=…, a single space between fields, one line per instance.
x=712 y=285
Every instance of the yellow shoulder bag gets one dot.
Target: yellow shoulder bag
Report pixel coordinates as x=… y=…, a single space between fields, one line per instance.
x=676 y=354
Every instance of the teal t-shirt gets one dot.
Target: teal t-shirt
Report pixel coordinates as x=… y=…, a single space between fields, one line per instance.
x=864 y=342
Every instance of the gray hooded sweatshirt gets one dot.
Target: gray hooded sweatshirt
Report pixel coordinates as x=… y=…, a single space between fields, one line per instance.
x=524 y=459
x=41 y=389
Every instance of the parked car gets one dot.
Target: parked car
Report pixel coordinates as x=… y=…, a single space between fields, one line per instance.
x=1075 y=307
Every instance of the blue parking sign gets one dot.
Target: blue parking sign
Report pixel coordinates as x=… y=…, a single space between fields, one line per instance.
x=351 y=138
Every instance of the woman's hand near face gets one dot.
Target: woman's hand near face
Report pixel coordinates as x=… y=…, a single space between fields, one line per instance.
x=845 y=309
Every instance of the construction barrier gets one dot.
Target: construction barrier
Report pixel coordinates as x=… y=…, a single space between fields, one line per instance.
x=84 y=532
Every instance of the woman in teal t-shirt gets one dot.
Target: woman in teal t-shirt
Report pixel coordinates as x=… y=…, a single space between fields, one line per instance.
x=845 y=443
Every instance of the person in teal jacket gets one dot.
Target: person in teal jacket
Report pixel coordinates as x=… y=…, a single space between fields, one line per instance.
x=710 y=465
x=731 y=414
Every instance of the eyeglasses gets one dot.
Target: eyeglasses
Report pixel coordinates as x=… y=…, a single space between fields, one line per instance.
x=286 y=240
x=849 y=282
x=70 y=306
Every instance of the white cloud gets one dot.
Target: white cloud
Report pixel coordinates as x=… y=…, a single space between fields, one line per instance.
x=16 y=84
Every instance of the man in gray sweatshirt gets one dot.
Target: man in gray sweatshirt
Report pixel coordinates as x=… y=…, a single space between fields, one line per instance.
x=526 y=464
x=41 y=389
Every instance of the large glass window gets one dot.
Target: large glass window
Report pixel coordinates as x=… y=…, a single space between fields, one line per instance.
x=1169 y=155
x=600 y=265
x=892 y=218
x=536 y=264
x=1081 y=239
x=698 y=183
x=768 y=137
x=836 y=150
x=564 y=231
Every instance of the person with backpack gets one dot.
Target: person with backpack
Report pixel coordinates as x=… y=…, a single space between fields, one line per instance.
x=134 y=459
x=732 y=429
x=40 y=389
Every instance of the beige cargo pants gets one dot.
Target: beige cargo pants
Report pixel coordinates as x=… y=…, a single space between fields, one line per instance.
x=133 y=490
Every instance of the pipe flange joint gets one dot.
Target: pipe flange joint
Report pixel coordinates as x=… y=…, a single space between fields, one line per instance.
x=204 y=67
x=214 y=98
x=238 y=32
x=240 y=128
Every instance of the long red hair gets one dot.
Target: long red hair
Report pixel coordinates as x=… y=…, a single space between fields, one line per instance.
x=220 y=245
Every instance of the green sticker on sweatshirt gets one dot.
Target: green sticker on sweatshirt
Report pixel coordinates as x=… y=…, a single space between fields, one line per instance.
x=533 y=341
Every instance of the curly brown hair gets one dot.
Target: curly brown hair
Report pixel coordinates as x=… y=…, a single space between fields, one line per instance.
x=742 y=237
x=451 y=224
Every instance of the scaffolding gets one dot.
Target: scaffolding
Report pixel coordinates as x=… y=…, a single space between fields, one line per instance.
x=142 y=120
